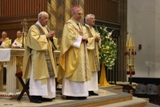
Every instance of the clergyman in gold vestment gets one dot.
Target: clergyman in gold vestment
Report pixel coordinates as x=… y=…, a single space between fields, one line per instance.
x=38 y=63
x=5 y=42
x=93 y=53
x=18 y=41
x=74 y=65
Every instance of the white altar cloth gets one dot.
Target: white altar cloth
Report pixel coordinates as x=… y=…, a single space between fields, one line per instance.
x=5 y=54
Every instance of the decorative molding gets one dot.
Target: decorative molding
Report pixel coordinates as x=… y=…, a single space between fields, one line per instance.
x=115 y=1
x=109 y=25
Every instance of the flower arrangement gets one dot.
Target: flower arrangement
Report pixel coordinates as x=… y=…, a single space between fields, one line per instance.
x=108 y=50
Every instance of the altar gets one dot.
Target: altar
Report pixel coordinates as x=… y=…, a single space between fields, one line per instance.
x=8 y=56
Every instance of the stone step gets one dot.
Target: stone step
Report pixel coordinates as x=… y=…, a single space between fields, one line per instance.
x=107 y=95
x=152 y=105
x=135 y=102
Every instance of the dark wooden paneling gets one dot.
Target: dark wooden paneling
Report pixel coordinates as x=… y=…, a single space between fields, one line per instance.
x=12 y=13
x=145 y=80
x=12 y=24
x=103 y=9
x=21 y=7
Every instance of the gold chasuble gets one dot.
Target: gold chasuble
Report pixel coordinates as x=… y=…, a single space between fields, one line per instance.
x=93 y=49
x=7 y=43
x=41 y=49
x=73 y=62
x=17 y=42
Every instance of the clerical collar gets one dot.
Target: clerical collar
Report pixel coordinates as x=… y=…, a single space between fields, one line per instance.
x=38 y=23
x=75 y=21
x=88 y=25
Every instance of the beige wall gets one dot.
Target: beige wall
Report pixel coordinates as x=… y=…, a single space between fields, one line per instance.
x=144 y=26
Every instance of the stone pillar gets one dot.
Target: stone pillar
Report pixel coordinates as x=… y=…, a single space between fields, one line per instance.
x=122 y=76
x=60 y=18
x=67 y=10
x=81 y=5
x=52 y=10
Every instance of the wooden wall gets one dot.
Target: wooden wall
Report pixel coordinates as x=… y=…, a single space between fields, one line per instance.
x=106 y=10
x=12 y=13
x=21 y=7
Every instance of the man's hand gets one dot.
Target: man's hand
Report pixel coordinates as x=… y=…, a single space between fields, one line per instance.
x=50 y=34
x=84 y=38
x=97 y=38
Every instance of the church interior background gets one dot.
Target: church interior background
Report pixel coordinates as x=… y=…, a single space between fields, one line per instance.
x=125 y=17
x=110 y=13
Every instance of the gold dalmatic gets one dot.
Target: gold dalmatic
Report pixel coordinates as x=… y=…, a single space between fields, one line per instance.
x=95 y=54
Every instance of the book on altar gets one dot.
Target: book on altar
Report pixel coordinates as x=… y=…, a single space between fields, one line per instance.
x=15 y=43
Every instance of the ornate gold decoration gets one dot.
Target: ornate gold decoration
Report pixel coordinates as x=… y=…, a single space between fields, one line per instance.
x=130 y=56
x=24 y=31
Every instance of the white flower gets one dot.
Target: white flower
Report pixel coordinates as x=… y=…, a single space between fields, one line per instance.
x=109 y=34
x=108 y=51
